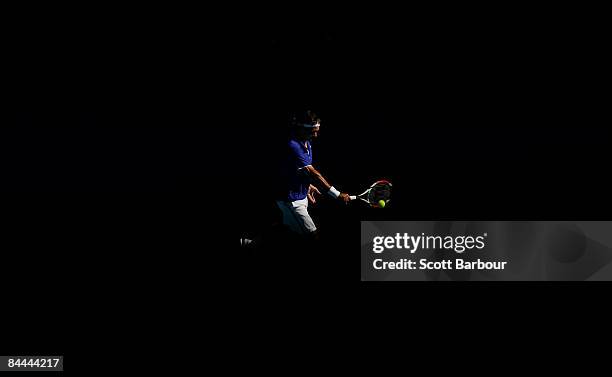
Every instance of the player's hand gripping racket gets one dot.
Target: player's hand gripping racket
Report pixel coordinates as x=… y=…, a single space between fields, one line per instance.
x=378 y=195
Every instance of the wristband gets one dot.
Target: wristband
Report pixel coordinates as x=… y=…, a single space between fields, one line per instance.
x=333 y=192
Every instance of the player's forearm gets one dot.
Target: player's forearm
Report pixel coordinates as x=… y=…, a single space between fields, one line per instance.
x=319 y=180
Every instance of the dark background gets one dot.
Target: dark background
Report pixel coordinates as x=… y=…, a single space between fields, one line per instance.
x=157 y=119
x=129 y=136
x=478 y=121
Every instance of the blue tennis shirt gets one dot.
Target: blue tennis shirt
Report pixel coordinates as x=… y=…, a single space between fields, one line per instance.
x=297 y=179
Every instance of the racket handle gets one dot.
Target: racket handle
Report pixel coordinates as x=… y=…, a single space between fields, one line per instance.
x=352 y=197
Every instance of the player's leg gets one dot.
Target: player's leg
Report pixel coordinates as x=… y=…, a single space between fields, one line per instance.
x=265 y=228
x=297 y=219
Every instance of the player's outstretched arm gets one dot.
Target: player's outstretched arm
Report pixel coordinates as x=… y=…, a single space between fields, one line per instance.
x=321 y=182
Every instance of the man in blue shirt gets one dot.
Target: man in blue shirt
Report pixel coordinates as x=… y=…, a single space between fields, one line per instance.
x=302 y=180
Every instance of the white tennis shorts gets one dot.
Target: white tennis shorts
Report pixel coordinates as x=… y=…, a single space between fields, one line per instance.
x=296 y=216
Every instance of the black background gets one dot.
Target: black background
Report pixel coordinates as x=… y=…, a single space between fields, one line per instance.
x=133 y=135
x=469 y=120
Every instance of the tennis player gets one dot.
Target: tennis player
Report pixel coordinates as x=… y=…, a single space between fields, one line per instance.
x=302 y=181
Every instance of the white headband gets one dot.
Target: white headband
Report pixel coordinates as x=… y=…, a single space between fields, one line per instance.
x=312 y=125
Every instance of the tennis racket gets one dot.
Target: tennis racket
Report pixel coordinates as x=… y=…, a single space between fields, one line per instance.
x=380 y=190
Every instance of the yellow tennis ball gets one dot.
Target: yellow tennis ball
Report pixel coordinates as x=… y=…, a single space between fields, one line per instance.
x=382 y=203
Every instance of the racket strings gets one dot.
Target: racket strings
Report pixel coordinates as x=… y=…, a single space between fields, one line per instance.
x=380 y=192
